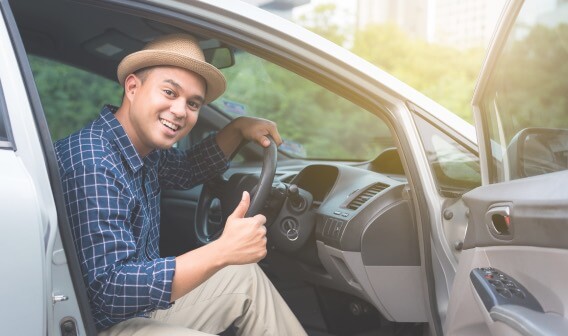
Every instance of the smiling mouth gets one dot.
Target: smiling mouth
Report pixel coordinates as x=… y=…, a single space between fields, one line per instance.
x=169 y=125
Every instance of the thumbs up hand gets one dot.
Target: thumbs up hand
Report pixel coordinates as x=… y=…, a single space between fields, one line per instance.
x=244 y=239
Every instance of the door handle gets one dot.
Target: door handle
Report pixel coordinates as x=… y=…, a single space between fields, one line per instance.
x=498 y=219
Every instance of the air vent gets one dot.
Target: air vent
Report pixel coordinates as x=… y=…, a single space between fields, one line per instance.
x=366 y=195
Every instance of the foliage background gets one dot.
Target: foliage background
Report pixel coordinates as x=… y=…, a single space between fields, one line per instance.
x=445 y=74
x=71 y=97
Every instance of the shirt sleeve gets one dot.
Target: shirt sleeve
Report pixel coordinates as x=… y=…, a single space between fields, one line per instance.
x=186 y=169
x=121 y=284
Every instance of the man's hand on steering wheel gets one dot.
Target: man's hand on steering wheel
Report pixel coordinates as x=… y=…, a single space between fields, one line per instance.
x=219 y=197
x=249 y=129
x=256 y=129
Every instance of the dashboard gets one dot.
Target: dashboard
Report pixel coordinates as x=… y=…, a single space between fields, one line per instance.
x=350 y=229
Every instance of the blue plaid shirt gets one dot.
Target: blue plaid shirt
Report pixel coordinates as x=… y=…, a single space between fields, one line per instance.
x=112 y=197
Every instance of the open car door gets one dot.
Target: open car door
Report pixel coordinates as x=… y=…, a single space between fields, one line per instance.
x=513 y=273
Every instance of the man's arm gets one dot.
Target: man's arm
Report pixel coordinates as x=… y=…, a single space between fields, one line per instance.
x=120 y=282
x=246 y=128
x=186 y=169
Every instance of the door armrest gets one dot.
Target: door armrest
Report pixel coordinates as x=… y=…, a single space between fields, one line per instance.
x=529 y=322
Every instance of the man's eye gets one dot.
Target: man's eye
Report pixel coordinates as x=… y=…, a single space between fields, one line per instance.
x=193 y=105
x=169 y=92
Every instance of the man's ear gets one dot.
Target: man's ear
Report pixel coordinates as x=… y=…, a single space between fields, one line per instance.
x=131 y=84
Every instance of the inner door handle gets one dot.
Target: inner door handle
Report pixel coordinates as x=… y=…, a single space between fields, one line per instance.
x=498 y=219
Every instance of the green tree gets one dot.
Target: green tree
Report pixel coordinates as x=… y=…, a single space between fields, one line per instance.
x=445 y=74
x=531 y=80
x=327 y=125
x=71 y=97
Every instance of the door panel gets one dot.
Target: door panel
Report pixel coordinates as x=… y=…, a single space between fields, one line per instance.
x=537 y=213
x=542 y=271
x=527 y=241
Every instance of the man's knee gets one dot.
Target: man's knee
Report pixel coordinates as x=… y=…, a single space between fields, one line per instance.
x=247 y=279
x=243 y=272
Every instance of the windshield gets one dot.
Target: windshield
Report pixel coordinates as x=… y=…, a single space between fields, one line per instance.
x=314 y=122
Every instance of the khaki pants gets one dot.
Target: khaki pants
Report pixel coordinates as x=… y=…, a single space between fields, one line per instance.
x=242 y=295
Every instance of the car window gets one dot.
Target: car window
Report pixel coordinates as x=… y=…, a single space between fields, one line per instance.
x=314 y=122
x=71 y=97
x=525 y=100
x=455 y=168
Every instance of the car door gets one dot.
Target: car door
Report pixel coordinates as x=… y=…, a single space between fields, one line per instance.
x=512 y=274
x=41 y=285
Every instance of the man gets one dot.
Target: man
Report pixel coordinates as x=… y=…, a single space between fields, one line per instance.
x=112 y=171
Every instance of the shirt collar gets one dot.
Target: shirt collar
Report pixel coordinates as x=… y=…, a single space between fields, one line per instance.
x=125 y=146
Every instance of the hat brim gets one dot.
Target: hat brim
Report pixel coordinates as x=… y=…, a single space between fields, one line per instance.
x=216 y=83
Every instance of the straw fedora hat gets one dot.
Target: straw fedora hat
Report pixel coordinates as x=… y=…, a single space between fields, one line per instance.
x=179 y=50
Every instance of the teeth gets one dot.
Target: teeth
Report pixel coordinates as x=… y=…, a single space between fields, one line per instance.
x=169 y=124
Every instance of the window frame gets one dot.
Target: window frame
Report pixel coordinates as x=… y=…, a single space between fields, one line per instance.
x=493 y=123
x=419 y=118
x=7 y=140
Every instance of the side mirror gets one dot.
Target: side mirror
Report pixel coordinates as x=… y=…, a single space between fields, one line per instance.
x=535 y=151
x=220 y=57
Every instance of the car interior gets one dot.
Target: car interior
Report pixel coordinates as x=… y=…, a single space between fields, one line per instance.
x=342 y=238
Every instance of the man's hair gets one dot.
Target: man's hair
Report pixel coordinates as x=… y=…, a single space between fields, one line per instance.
x=143 y=73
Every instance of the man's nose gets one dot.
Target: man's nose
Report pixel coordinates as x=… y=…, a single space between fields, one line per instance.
x=178 y=108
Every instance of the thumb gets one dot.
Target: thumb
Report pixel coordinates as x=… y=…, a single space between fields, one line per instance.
x=242 y=207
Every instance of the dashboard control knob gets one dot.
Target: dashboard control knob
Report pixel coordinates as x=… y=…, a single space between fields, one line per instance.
x=293 y=191
x=294 y=195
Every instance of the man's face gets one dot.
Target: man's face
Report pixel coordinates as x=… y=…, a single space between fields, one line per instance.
x=164 y=105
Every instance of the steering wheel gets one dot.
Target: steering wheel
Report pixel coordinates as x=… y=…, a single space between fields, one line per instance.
x=220 y=197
